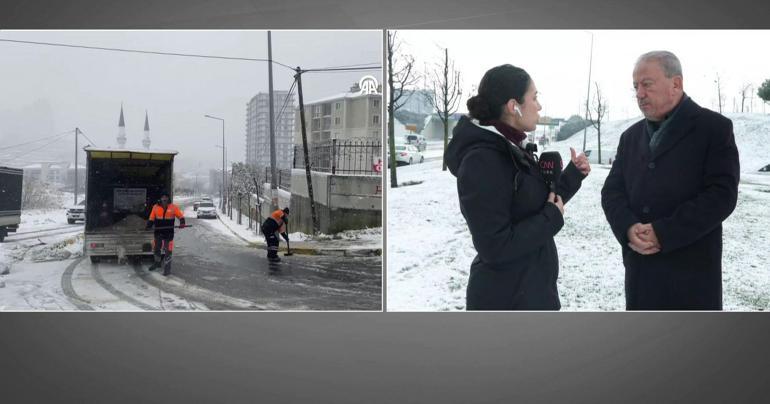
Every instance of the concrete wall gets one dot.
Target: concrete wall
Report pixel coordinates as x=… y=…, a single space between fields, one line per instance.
x=343 y=202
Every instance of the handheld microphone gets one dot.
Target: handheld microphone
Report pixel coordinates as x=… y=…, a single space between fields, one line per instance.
x=551 y=166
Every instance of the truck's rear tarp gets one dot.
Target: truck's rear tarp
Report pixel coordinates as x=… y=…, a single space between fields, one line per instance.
x=122 y=186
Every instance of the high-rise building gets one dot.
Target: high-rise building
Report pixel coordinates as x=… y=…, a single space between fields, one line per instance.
x=258 y=130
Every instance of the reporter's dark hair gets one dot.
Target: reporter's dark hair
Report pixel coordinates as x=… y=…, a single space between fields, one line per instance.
x=499 y=84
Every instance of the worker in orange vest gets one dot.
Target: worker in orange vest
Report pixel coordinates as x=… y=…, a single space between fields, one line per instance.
x=163 y=216
x=276 y=223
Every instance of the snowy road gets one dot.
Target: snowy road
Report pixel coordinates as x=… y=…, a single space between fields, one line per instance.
x=213 y=259
x=212 y=270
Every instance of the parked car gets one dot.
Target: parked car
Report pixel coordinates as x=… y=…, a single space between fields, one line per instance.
x=197 y=203
x=206 y=209
x=417 y=141
x=408 y=154
x=76 y=212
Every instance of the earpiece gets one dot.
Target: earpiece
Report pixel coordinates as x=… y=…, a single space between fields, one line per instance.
x=518 y=111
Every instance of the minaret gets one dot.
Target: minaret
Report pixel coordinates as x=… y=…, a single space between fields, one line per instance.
x=121 y=130
x=146 y=140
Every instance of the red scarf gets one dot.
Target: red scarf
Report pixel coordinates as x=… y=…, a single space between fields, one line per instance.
x=514 y=135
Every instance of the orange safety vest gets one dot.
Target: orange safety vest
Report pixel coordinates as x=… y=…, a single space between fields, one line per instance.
x=277 y=216
x=165 y=218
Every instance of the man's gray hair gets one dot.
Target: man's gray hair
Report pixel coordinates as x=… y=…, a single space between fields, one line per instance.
x=667 y=60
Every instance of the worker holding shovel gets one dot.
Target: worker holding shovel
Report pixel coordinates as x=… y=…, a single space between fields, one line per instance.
x=276 y=223
x=163 y=216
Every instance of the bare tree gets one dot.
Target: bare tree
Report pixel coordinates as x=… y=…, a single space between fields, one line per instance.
x=598 y=110
x=401 y=76
x=745 y=93
x=445 y=97
x=720 y=97
x=38 y=194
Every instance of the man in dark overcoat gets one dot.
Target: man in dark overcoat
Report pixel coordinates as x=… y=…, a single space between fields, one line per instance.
x=672 y=184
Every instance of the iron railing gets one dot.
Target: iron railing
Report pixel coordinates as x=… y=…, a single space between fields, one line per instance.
x=353 y=156
x=283 y=177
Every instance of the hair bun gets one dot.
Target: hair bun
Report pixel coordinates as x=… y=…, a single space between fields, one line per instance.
x=478 y=108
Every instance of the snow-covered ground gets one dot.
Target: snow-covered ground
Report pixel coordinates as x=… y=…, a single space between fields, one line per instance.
x=364 y=238
x=34 y=265
x=430 y=250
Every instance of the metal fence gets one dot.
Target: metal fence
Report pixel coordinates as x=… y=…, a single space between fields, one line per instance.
x=354 y=156
x=283 y=177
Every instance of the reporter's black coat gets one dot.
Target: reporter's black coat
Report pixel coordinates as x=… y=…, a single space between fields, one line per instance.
x=685 y=189
x=503 y=198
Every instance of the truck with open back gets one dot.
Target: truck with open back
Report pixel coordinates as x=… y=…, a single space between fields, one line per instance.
x=121 y=187
x=10 y=200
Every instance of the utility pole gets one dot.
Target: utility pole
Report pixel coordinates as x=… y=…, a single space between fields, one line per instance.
x=308 y=176
x=77 y=130
x=273 y=182
x=588 y=94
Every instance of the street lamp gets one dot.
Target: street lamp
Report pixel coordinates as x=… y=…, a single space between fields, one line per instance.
x=222 y=191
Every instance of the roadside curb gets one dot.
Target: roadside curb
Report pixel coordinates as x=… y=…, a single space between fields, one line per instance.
x=337 y=252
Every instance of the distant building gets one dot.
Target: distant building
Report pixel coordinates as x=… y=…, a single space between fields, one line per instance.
x=416 y=101
x=61 y=175
x=434 y=127
x=215 y=182
x=355 y=114
x=258 y=130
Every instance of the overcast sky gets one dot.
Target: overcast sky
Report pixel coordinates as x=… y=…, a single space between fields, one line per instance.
x=558 y=62
x=47 y=90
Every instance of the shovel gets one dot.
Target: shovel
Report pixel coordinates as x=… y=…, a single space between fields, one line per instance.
x=288 y=252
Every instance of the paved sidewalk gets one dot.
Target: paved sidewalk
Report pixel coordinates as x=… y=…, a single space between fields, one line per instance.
x=358 y=243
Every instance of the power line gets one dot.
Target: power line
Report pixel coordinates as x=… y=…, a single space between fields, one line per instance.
x=341 y=69
x=286 y=100
x=41 y=147
x=372 y=64
x=146 y=52
x=35 y=141
x=86 y=136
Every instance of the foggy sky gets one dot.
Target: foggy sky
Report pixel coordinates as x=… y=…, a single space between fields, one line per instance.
x=558 y=61
x=46 y=90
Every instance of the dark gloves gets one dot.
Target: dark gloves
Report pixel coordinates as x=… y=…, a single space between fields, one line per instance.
x=182 y=225
x=149 y=225
x=285 y=236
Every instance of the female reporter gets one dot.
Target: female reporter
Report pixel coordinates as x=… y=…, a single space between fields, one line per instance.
x=504 y=198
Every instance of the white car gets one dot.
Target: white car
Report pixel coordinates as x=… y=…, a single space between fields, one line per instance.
x=76 y=212
x=406 y=153
x=418 y=141
x=206 y=209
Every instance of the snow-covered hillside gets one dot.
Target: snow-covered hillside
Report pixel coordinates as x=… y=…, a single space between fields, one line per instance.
x=752 y=135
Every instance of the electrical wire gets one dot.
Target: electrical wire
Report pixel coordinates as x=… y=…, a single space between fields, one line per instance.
x=194 y=55
x=35 y=141
x=39 y=148
x=86 y=136
x=285 y=101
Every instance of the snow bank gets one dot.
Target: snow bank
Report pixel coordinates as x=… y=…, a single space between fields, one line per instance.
x=751 y=135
